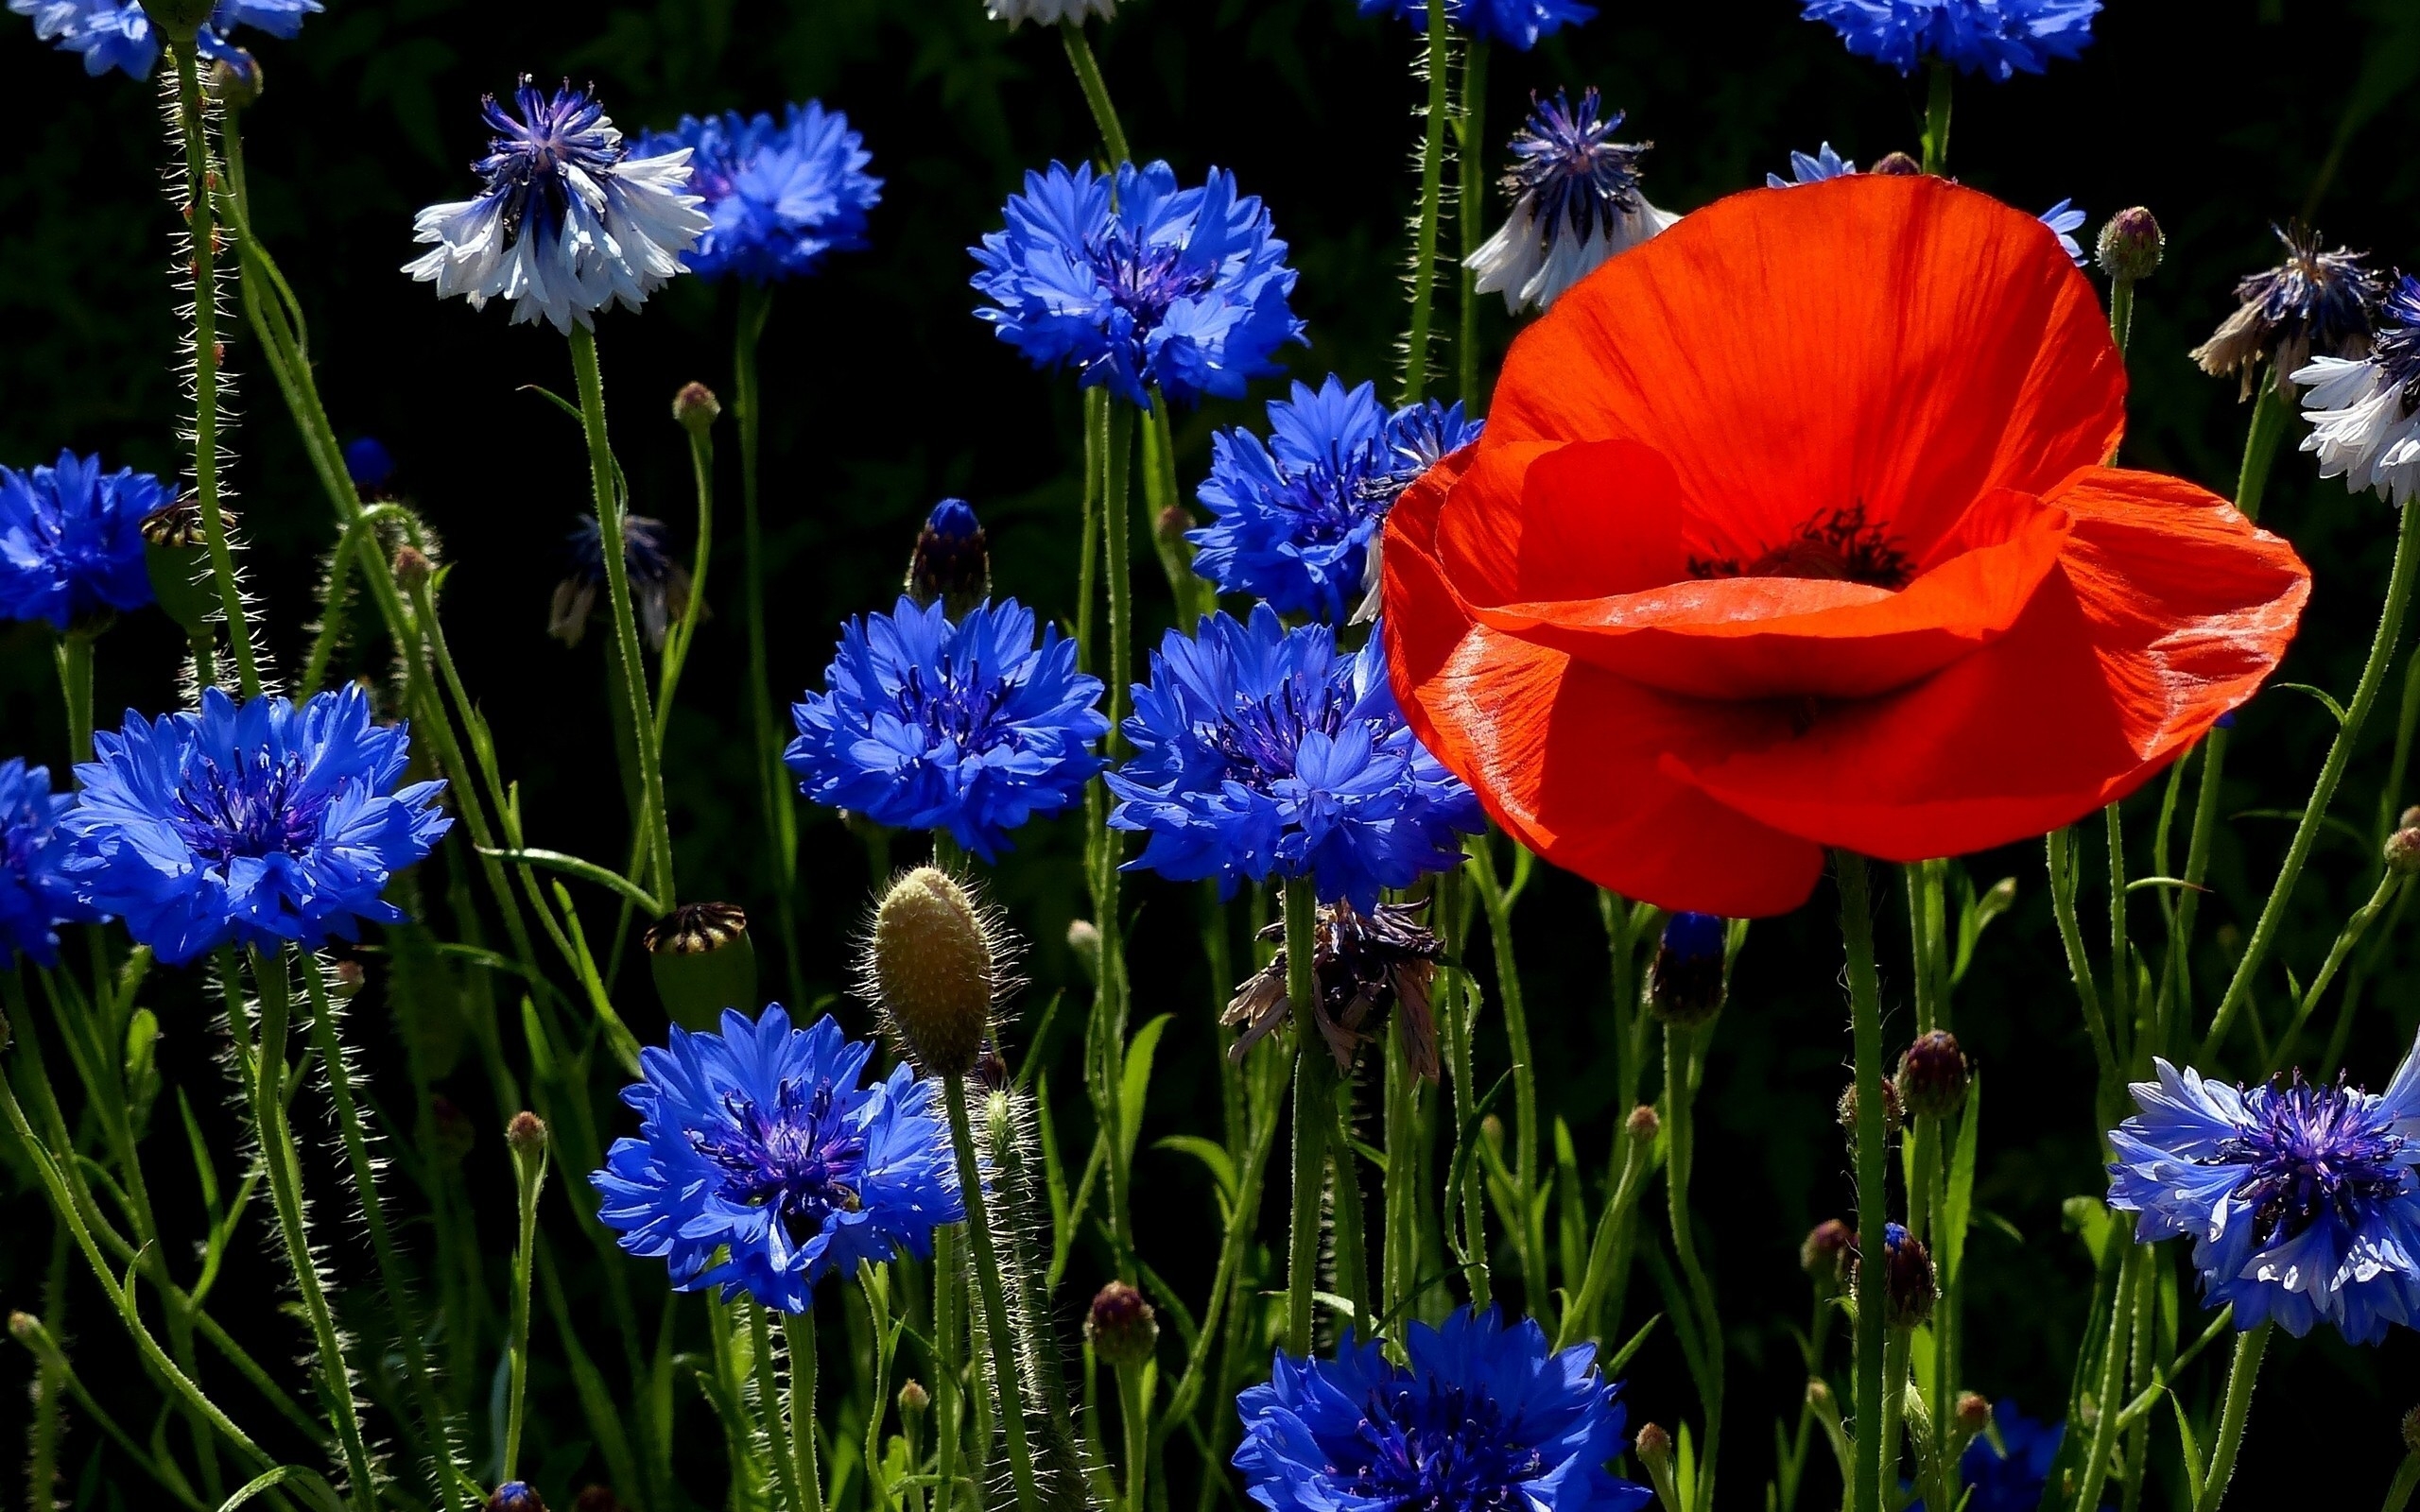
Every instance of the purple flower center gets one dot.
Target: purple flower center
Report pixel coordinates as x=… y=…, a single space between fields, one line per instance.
x=1442 y=1449
x=800 y=1160
x=946 y=705
x=2313 y=1151
x=531 y=156
x=1258 y=737
x=1566 y=158
x=259 y=809
x=1143 y=280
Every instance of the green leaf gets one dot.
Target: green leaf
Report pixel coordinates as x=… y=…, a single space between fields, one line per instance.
x=1212 y=1155
x=2327 y=700
x=1136 y=1084
x=1636 y=1342
x=1957 y=1201
x=308 y=1480
x=586 y=870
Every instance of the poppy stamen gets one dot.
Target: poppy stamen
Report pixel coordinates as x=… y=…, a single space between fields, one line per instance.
x=1835 y=545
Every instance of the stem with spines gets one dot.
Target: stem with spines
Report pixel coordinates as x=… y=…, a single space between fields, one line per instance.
x=996 y=1306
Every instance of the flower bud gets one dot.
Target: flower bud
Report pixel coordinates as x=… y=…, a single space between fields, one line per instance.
x=1897 y=166
x=413 y=569
x=1908 y=1284
x=344 y=979
x=1685 y=981
x=236 y=78
x=175 y=555
x=2411 y=818
x=1655 y=1449
x=952 y=560
x=1121 y=1327
x=1825 y=1256
x=2130 y=244
x=1891 y=1109
x=515 y=1495
x=913 y=1398
x=1644 y=1124
x=1819 y=1392
x=929 y=967
x=695 y=409
x=2402 y=850
x=703 y=962
x=25 y=1329
x=1972 y=1411
x=1083 y=940
x=1172 y=524
x=2411 y=1427
x=526 y=1133
x=1932 y=1075
x=370 y=464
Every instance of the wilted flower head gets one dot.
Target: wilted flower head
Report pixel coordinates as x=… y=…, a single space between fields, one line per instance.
x=1261 y=751
x=568 y=221
x=1516 y=23
x=1295 y=516
x=2314 y=305
x=1138 y=285
x=2300 y=1199
x=35 y=895
x=1365 y=965
x=1998 y=38
x=777 y=197
x=260 y=824
x=2366 y=415
x=659 y=583
x=974 y=726
x=765 y=1142
x=1048 y=12
x=71 y=540
x=1484 y=1416
x=120 y=34
x=1574 y=203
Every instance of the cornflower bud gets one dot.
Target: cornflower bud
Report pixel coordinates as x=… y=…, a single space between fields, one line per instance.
x=2130 y=244
x=1825 y=1256
x=695 y=409
x=344 y=979
x=913 y=1398
x=1083 y=940
x=1685 y=981
x=1908 y=1284
x=1644 y=1124
x=1932 y=1075
x=1897 y=164
x=413 y=569
x=1972 y=1411
x=526 y=1133
x=703 y=963
x=515 y=1495
x=1891 y=1109
x=1121 y=1326
x=2402 y=849
x=24 y=1327
x=952 y=560
x=929 y=966
x=1655 y=1452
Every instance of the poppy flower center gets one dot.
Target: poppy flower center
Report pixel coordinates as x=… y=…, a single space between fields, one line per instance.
x=1834 y=545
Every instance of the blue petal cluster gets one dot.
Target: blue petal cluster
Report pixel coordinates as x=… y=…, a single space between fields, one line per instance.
x=777 y=197
x=1518 y=23
x=1138 y=285
x=35 y=896
x=764 y=1141
x=1996 y=37
x=1294 y=516
x=2063 y=219
x=1260 y=751
x=119 y=34
x=255 y=825
x=2301 y=1200
x=1486 y=1418
x=71 y=540
x=973 y=727
x=369 y=463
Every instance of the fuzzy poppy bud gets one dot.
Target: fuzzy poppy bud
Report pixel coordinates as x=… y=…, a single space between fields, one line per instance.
x=952 y=560
x=2402 y=850
x=913 y=1397
x=1933 y=1076
x=413 y=569
x=1121 y=1326
x=1825 y=1256
x=515 y=1495
x=2130 y=244
x=703 y=962
x=1644 y=1124
x=526 y=1133
x=1972 y=1411
x=1685 y=981
x=1897 y=166
x=1891 y=1109
x=695 y=409
x=929 y=967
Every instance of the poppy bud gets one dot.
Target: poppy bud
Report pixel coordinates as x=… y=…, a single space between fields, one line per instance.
x=1897 y=166
x=1909 y=1283
x=913 y=1398
x=929 y=967
x=1933 y=1076
x=515 y=1495
x=1644 y=1124
x=1974 y=1412
x=952 y=560
x=1825 y=1256
x=1121 y=1327
x=2402 y=850
x=413 y=569
x=1084 y=939
x=695 y=409
x=526 y=1133
x=703 y=962
x=1890 y=1110
x=1685 y=981
x=2130 y=244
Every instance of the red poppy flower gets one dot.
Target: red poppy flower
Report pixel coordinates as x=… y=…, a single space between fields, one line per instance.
x=1789 y=531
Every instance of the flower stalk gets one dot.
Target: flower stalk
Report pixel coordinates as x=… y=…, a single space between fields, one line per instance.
x=1873 y=1180
x=780 y=818
x=994 y=1298
x=1310 y=1115
x=1436 y=64
x=2241 y=1375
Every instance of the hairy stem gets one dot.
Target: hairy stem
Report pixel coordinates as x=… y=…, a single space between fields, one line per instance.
x=1873 y=1189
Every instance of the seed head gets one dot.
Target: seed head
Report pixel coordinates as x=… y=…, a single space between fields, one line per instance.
x=931 y=967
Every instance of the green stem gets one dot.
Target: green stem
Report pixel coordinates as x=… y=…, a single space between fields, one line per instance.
x=949 y=1337
x=2389 y=886
x=778 y=1446
x=2407 y=1480
x=1471 y=158
x=2407 y=720
x=1079 y=54
x=1110 y=996
x=2120 y=955
x=603 y=483
x=2130 y=1274
x=1134 y=1424
x=1579 y=1318
x=1937 y=120
x=1896 y=1345
x=74 y=657
x=1437 y=60
x=2121 y=312
x=996 y=1307
x=2249 y=1346
x=797 y=1339
x=1872 y=1192
x=676 y=646
x=1461 y=1007
x=2061 y=853
x=529 y=1177
x=2271 y=413
x=1310 y=1118
x=2273 y=913
x=1680 y=1136
x=285 y=1193
x=201 y=193
x=1498 y=902
x=772 y=796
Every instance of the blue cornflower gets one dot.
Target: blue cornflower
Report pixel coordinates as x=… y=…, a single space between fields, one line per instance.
x=71 y=540
x=568 y=221
x=1996 y=37
x=971 y=727
x=119 y=34
x=1575 y=202
x=2301 y=1200
x=35 y=896
x=1138 y=285
x=1296 y=516
x=369 y=463
x=764 y=1142
x=1518 y=23
x=255 y=825
x=1825 y=163
x=1261 y=750
x=2063 y=218
x=2009 y=1475
x=1486 y=1418
x=659 y=583
x=2366 y=415
x=777 y=197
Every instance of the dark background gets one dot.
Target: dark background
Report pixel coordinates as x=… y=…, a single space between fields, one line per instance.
x=884 y=394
